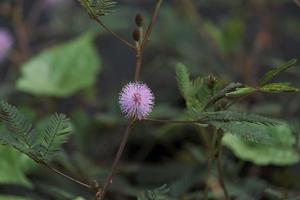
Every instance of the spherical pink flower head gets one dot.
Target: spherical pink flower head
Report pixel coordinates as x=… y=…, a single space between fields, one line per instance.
x=136 y=100
x=6 y=42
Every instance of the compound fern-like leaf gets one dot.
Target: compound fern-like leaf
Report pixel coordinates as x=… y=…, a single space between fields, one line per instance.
x=97 y=8
x=156 y=194
x=233 y=116
x=183 y=79
x=19 y=129
x=55 y=133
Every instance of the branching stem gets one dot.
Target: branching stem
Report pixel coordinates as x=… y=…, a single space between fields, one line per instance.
x=139 y=51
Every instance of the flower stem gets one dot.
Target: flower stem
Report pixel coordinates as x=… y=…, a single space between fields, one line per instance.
x=101 y=193
x=139 y=58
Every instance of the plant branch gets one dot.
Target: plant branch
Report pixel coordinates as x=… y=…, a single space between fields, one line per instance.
x=21 y=30
x=152 y=22
x=114 y=34
x=101 y=193
x=173 y=121
x=66 y=176
x=297 y=2
x=138 y=65
x=220 y=173
x=140 y=51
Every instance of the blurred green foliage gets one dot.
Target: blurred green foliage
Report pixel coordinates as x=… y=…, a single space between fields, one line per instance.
x=62 y=70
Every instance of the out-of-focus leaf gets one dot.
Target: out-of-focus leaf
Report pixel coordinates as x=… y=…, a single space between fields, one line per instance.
x=61 y=71
x=156 y=194
x=13 y=198
x=278 y=87
x=274 y=72
x=227 y=35
x=14 y=166
x=281 y=153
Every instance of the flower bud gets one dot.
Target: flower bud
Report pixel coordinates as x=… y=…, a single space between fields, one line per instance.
x=136 y=35
x=139 y=20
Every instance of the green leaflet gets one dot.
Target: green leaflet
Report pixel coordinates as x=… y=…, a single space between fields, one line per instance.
x=97 y=8
x=183 y=79
x=249 y=127
x=274 y=72
x=278 y=88
x=39 y=144
x=62 y=70
x=197 y=92
x=15 y=123
x=283 y=153
x=232 y=116
x=13 y=198
x=155 y=194
x=55 y=132
x=246 y=131
x=239 y=92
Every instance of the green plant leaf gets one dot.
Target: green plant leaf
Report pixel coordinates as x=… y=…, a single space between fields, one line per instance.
x=155 y=194
x=19 y=130
x=278 y=88
x=246 y=131
x=62 y=70
x=239 y=92
x=199 y=91
x=249 y=127
x=13 y=198
x=183 y=79
x=14 y=166
x=232 y=116
x=282 y=153
x=97 y=8
x=55 y=132
x=274 y=72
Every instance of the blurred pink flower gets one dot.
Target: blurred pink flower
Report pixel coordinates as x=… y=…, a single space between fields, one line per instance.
x=54 y=2
x=136 y=100
x=6 y=43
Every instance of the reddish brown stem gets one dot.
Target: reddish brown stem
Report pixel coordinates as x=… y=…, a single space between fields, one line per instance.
x=100 y=195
